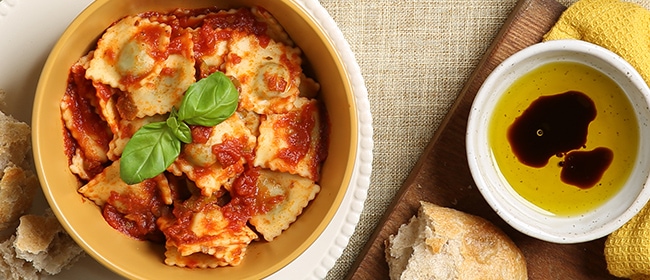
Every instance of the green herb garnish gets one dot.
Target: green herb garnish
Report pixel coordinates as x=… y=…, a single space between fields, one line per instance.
x=155 y=146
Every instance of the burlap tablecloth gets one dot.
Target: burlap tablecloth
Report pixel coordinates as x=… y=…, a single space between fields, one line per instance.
x=415 y=57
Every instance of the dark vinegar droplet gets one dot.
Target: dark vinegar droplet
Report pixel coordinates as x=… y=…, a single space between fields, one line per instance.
x=551 y=125
x=584 y=169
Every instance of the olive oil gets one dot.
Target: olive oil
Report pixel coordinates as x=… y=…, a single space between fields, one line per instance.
x=612 y=129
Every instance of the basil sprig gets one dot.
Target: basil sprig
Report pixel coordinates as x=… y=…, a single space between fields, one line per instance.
x=155 y=146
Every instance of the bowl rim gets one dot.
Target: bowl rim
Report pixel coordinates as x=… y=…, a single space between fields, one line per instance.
x=357 y=177
x=480 y=165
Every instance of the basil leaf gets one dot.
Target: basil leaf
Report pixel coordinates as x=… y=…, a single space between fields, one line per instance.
x=150 y=151
x=180 y=129
x=155 y=146
x=209 y=101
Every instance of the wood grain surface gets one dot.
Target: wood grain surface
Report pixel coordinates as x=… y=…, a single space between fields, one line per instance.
x=442 y=175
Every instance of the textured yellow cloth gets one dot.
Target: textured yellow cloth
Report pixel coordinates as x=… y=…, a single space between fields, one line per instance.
x=627 y=250
x=623 y=28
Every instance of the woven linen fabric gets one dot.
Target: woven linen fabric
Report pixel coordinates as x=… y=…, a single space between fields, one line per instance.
x=415 y=57
x=623 y=28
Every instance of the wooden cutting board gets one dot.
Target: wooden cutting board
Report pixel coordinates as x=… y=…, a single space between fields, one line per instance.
x=442 y=175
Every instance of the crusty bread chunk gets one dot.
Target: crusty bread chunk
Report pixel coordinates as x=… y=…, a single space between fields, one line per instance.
x=443 y=243
x=15 y=142
x=39 y=247
x=17 y=190
x=12 y=267
x=41 y=240
x=18 y=183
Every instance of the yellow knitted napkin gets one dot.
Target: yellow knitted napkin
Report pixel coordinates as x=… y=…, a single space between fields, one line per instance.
x=623 y=28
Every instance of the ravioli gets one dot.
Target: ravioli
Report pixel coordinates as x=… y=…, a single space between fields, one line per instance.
x=212 y=47
x=295 y=193
x=124 y=130
x=159 y=93
x=268 y=73
x=135 y=56
x=129 y=51
x=274 y=30
x=84 y=126
x=107 y=183
x=293 y=142
x=198 y=229
x=211 y=164
x=131 y=209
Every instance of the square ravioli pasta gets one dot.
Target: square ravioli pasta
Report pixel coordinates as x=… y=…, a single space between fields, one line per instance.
x=200 y=229
x=291 y=193
x=148 y=62
x=294 y=142
x=216 y=155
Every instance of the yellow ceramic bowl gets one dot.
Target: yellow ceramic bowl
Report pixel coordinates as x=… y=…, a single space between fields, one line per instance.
x=144 y=260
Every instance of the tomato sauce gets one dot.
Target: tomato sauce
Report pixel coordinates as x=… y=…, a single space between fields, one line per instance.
x=324 y=132
x=200 y=134
x=242 y=20
x=247 y=199
x=148 y=36
x=81 y=101
x=232 y=150
x=104 y=92
x=69 y=145
x=177 y=225
x=243 y=200
x=179 y=44
x=151 y=37
x=275 y=82
x=206 y=41
x=234 y=59
x=135 y=215
x=297 y=127
x=294 y=69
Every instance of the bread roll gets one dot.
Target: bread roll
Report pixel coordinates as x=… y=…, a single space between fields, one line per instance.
x=443 y=243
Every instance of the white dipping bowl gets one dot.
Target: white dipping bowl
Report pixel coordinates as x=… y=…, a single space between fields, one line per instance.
x=508 y=204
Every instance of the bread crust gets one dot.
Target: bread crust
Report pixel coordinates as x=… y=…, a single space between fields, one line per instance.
x=443 y=243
